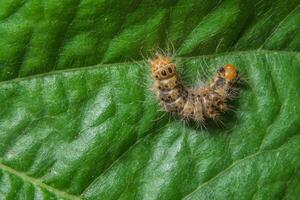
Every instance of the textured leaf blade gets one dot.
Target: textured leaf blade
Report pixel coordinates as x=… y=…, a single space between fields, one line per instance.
x=98 y=132
x=36 y=38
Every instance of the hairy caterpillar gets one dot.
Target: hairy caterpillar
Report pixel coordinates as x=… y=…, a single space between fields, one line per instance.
x=195 y=104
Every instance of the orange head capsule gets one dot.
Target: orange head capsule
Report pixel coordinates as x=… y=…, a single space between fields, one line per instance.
x=229 y=72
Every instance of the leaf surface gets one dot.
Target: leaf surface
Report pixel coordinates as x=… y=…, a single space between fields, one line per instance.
x=40 y=37
x=98 y=132
x=78 y=119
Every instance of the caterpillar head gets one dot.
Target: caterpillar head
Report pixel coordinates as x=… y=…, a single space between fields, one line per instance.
x=229 y=72
x=162 y=67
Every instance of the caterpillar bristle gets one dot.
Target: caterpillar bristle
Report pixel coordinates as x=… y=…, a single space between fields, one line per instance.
x=196 y=104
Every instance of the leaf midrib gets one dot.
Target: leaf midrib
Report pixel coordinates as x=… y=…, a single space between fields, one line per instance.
x=100 y=65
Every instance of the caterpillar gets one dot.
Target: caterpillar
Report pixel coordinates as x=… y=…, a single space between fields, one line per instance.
x=197 y=104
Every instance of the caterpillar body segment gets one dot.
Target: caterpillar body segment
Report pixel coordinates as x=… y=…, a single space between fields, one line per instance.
x=195 y=104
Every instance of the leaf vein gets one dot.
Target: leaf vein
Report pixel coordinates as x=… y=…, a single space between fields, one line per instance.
x=38 y=182
x=227 y=169
x=277 y=27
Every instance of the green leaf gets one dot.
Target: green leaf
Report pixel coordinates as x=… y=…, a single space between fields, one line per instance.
x=78 y=119
x=98 y=132
x=41 y=37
